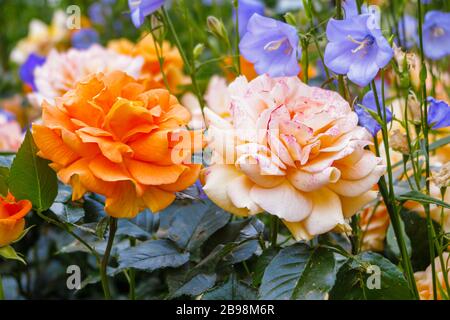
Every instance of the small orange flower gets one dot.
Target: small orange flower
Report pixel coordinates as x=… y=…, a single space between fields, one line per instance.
x=12 y=222
x=110 y=136
x=152 y=76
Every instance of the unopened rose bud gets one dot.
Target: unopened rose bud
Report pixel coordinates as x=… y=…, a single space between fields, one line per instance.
x=216 y=27
x=399 y=142
x=442 y=178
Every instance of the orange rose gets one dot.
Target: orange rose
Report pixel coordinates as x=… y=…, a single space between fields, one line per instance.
x=12 y=222
x=110 y=136
x=152 y=76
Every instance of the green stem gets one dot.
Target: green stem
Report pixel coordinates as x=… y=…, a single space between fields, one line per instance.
x=273 y=231
x=132 y=279
x=424 y=111
x=190 y=68
x=341 y=83
x=2 y=293
x=389 y=197
x=237 y=37
x=105 y=260
x=305 y=61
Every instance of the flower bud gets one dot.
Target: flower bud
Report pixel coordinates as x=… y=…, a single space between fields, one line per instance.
x=414 y=108
x=399 y=142
x=198 y=50
x=216 y=27
x=442 y=178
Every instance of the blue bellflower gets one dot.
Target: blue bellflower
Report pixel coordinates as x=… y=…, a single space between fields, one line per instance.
x=357 y=48
x=438 y=114
x=143 y=8
x=246 y=9
x=407 y=29
x=99 y=12
x=26 y=71
x=84 y=38
x=272 y=46
x=436 y=34
x=365 y=118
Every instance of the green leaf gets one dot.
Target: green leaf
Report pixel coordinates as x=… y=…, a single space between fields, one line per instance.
x=31 y=178
x=243 y=234
x=392 y=243
x=416 y=229
x=233 y=289
x=261 y=264
x=358 y=279
x=9 y=253
x=422 y=198
x=299 y=272
x=67 y=212
x=439 y=143
x=179 y=286
x=194 y=224
x=152 y=255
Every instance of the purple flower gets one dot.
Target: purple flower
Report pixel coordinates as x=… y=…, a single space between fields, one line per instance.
x=246 y=9
x=272 y=46
x=26 y=71
x=365 y=118
x=98 y=12
x=142 y=8
x=438 y=113
x=407 y=29
x=84 y=38
x=351 y=8
x=436 y=35
x=357 y=48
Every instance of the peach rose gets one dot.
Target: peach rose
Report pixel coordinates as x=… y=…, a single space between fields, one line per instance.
x=10 y=133
x=62 y=71
x=374 y=223
x=424 y=279
x=12 y=222
x=292 y=150
x=152 y=76
x=111 y=137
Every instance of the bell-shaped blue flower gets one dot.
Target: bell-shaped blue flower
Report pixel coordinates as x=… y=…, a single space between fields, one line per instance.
x=246 y=9
x=26 y=71
x=438 y=113
x=407 y=29
x=365 y=118
x=272 y=46
x=143 y=8
x=357 y=48
x=84 y=38
x=436 y=34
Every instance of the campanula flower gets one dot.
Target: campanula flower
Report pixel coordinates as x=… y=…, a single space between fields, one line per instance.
x=365 y=118
x=246 y=9
x=407 y=29
x=98 y=12
x=84 y=38
x=438 y=113
x=142 y=8
x=436 y=35
x=357 y=48
x=26 y=71
x=351 y=8
x=272 y=46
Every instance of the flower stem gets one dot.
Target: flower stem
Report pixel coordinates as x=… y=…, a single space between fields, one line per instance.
x=189 y=66
x=273 y=231
x=238 y=54
x=424 y=110
x=341 y=83
x=132 y=279
x=389 y=197
x=2 y=293
x=105 y=260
